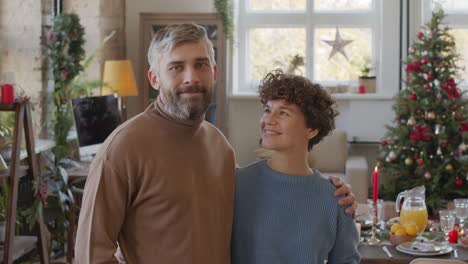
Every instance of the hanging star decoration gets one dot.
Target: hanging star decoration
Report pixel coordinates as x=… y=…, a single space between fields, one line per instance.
x=338 y=45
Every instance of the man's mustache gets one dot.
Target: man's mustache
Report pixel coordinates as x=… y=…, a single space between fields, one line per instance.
x=192 y=89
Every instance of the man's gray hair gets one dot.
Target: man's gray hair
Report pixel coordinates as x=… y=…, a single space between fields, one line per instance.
x=165 y=40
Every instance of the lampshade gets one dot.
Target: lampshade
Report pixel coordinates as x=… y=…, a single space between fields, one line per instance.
x=119 y=78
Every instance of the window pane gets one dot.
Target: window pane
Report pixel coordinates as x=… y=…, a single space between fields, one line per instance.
x=283 y=5
x=461 y=44
x=342 y=5
x=272 y=48
x=338 y=68
x=452 y=5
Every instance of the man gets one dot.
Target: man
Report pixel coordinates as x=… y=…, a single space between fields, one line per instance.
x=162 y=185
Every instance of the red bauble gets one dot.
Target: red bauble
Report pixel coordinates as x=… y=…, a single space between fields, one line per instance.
x=420 y=162
x=453 y=237
x=384 y=142
x=397 y=117
x=429 y=76
x=412 y=96
x=427 y=86
x=459 y=182
x=425 y=60
x=420 y=112
x=420 y=35
x=457 y=117
x=443 y=145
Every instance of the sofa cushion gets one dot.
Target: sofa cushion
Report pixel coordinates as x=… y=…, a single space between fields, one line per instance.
x=331 y=153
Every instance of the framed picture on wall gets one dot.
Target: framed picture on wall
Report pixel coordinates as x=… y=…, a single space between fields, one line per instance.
x=150 y=23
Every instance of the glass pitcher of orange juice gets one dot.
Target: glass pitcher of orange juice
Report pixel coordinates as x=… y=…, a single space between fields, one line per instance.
x=414 y=209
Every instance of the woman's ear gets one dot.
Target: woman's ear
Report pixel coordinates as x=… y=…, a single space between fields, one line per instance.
x=311 y=133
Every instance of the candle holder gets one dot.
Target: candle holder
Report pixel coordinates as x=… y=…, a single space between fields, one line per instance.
x=374 y=240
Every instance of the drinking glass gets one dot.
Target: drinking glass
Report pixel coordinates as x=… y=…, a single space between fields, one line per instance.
x=461 y=208
x=447 y=221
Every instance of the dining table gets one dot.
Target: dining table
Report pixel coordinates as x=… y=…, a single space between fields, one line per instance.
x=375 y=254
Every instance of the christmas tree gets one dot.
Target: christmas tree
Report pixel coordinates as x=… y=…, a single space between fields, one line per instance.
x=426 y=145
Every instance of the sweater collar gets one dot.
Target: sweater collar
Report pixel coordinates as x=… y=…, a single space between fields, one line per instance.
x=161 y=109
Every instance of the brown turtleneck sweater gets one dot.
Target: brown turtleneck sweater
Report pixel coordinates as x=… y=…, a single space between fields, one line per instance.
x=163 y=189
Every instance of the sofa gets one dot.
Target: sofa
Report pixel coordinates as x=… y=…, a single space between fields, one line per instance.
x=331 y=158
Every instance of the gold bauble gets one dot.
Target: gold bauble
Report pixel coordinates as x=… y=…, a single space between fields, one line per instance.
x=431 y=115
x=409 y=161
x=449 y=167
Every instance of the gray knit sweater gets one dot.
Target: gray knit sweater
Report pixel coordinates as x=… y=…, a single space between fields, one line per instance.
x=289 y=219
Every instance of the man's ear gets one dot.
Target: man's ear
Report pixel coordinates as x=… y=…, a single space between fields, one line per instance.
x=311 y=133
x=153 y=79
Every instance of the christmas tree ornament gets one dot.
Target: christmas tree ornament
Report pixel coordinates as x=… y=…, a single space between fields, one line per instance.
x=420 y=35
x=462 y=147
x=384 y=142
x=429 y=77
x=449 y=167
x=459 y=182
x=427 y=86
x=420 y=112
x=425 y=60
x=412 y=96
x=392 y=155
x=439 y=151
x=420 y=161
x=411 y=121
x=437 y=129
x=388 y=160
x=431 y=115
x=338 y=45
x=431 y=156
x=427 y=175
x=411 y=50
x=409 y=161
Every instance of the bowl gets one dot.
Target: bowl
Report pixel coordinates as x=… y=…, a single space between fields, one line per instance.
x=396 y=239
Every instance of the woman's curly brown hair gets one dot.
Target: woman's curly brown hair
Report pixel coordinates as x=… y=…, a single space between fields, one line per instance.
x=316 y=104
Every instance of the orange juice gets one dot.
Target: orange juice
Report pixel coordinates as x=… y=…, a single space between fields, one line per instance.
x=417 y=216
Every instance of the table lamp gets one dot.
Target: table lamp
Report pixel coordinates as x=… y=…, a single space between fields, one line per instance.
x=119 y=78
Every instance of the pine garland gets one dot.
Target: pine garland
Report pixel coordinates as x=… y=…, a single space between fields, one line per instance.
x=225 y=11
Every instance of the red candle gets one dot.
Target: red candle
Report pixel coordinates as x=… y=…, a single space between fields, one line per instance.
x=375 y=184
x=8 y=94
x=362 y=89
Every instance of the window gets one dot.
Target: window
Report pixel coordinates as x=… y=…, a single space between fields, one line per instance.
x=297 y=36
x=457 y=19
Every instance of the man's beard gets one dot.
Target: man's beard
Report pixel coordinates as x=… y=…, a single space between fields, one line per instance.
x=187 y=108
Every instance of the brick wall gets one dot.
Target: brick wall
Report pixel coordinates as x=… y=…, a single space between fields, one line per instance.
x=24 y=22
x=20 y=48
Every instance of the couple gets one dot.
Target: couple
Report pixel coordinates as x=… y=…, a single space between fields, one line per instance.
x=163 y=185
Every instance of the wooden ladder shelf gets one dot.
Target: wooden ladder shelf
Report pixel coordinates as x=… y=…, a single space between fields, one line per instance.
x=15 y=247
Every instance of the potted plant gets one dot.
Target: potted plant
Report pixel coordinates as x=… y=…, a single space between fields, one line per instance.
x=3 y=209
x=367 y=82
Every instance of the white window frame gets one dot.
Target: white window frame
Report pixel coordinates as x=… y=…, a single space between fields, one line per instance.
x=385 y=47
x=454 y=19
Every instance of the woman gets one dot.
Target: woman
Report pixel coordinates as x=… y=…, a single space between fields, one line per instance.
x=286 y=212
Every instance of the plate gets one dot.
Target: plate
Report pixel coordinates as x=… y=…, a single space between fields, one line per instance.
x=407 y=248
